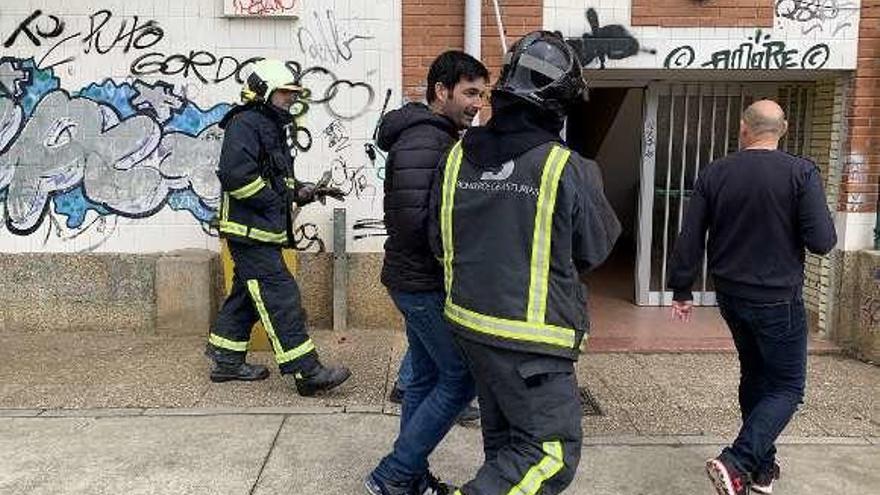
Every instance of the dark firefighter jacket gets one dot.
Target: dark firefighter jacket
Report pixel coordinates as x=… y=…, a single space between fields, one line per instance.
x=515 y=240
x=256 y=176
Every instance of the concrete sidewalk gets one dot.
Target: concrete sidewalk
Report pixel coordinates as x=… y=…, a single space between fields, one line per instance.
x=193 y=451
x=639 y=394
x=96 y=413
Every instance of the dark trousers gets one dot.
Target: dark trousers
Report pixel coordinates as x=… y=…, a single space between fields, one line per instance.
x=262 y=289
x=531 y=421
x=771 y=339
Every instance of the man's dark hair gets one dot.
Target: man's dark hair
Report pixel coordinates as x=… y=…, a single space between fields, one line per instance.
x=450 y=67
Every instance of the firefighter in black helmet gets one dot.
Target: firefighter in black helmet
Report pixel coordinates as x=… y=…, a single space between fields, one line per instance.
x=260 y=192
x=519 y=219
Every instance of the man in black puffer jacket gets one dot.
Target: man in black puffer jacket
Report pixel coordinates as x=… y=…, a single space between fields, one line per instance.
x=439 y=384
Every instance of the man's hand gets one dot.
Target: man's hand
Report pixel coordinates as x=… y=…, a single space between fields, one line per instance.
x=682 y=310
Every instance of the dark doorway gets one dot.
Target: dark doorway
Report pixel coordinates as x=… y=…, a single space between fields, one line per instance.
x=608 y=128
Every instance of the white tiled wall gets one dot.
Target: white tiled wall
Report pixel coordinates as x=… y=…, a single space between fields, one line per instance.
x=374 y=61
x=839 y=33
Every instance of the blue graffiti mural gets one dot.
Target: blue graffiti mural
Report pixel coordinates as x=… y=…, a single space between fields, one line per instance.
x=127 y=149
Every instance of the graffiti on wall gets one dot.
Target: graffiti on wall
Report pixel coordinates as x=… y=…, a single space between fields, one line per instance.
x=126 y=149
x=825 y=16
x=80 y=158
x=759 y=51
x=260 y=7
x=327 y=42
x=611 y=42
x=106 y=33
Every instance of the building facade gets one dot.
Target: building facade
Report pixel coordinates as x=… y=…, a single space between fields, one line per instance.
x=109 y=111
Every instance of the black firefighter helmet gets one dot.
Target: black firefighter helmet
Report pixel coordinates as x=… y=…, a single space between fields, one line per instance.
x=542 y=69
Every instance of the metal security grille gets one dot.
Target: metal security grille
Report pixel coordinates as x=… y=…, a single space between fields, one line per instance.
x=686 y=126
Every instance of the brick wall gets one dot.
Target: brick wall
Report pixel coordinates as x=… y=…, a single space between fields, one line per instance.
x=433 y=26
x=702 y=13
x=858 y=191
x=519 y=17
x=430 y=27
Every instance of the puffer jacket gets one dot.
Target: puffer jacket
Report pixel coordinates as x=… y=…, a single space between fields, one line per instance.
x=416 y=140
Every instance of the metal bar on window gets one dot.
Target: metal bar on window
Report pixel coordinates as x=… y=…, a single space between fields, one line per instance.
x=711 y=158
x=684 y=143
x=742 y=107
x=797 y=135
x=727 y=126
x=666 y=194
x=808 y=119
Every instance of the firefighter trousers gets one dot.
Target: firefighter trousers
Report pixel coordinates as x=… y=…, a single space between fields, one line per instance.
x=264 y=290
x=531 y=421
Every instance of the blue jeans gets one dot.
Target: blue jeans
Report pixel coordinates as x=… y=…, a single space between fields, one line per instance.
x=771 y=339
x=440 y=387
x=405 y=372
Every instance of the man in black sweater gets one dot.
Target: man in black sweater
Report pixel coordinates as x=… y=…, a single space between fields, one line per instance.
x=439 y=384
x=762 y=208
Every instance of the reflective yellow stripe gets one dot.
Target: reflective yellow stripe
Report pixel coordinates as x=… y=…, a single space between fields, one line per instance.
x=256 y=234
x=540 y=262
x=281 y=356
x=224 y=209
x=290 y=183
x=257 y=297
x=262 y=235
x=510 y=329
x=547 y=468
x=224 y=343
x=233 y=228
x=297 y=352
x=249 y=190
x=450 y=176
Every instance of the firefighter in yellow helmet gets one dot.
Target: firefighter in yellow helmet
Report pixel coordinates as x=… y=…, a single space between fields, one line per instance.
x=259 y=192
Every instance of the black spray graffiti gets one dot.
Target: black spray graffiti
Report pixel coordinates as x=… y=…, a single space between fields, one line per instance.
x=612 y=42
x=818 y=14
x=307 y=237
x=327 y=44
x=352 y=180
x=105 y=34
x=342 y=98
x=758 y=52
x=369 y=227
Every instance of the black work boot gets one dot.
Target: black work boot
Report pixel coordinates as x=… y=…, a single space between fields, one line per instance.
x=320 y=379
x=224 y=372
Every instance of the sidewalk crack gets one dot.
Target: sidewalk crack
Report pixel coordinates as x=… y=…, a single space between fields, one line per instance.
x=268 y=454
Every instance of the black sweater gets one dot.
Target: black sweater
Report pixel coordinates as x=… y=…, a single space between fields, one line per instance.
x=761 y=208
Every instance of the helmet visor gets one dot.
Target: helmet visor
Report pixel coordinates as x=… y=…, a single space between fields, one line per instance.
x=539 y=66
